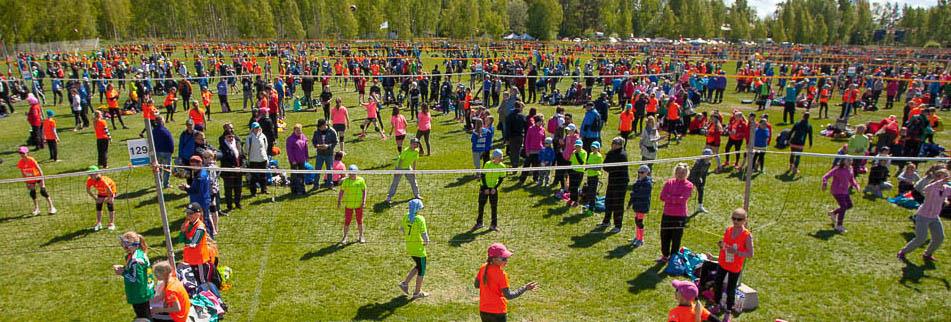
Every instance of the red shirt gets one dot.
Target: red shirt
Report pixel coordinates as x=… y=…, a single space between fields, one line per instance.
x=102 y=129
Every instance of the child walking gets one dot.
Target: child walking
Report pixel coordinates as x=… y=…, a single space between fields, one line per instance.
x=413 y=228
x=842 y=180
x=353 y=196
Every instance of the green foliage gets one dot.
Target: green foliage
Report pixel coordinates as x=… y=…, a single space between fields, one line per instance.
x=799 y=21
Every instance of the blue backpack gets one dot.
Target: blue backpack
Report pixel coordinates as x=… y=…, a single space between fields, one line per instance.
x=683 y=263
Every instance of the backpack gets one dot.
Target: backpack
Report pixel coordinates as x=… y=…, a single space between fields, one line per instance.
x=683 y=263
x=782 y=140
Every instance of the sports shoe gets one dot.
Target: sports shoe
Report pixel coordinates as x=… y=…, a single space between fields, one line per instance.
x=476 y=227
x=404 y=288
x=111 y=227
x=420 y=295
x=662 y=259
x=600 y=226
x=901 y=256
x=97 y=227
x=637 y=243
x=493 y=228
x=700 y=208
x=36 y=211
x=840 y=229
x=615 y=230
x=929 y=258
x=52 y=210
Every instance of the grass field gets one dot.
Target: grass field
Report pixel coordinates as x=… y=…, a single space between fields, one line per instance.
x=287 y=265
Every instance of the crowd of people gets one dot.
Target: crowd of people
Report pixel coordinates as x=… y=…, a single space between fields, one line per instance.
x=651 y=95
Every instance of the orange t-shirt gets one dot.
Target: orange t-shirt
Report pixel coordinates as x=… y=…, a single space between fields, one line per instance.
x=196 y=116
x=112 y=98
x=49 y=130
x=627 y=119
x=29 y=168
x=736 y=264
x=102 y=130
x=206 y=98
x=169 y=99
x=149 y=111
x=175 y=292
x=102 y=186
x=652 y=105
x=673 y=111
x=491 y=299
x=685 y=313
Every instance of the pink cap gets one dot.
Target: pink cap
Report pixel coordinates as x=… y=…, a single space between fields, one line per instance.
x=24 y=150
x=499 y=250
x=686 y=289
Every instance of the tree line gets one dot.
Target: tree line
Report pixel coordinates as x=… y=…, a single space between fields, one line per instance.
x=830 y=22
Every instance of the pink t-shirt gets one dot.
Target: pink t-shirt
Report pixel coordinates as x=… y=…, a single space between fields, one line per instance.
x=425 y=121
x=399 y=124
x=339 y=166
x=339 y=115
x=935 y=195
x=371 y=110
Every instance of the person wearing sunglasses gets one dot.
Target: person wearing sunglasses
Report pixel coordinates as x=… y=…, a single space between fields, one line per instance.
x=493 y=284
x=735 y=247
x=136 y=273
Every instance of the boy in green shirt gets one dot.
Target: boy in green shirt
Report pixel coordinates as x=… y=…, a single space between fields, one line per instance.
x=576 y=175
x=353 y=195
x=413 y=228
x=406 y=161
x=591 y=192
x=489 y=190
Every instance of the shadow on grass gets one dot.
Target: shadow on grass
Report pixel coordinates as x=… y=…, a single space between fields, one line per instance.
x=23 y=216
x=169 y=197
x=381 y=311
x=283 y=197
x=461 y=181
x=587 y=240
x=82 y=232
x=913 y=274
x=162 y=257
x=620 y=251
x=329 y=249
x=381 y=166
x=383 y=206
x=573 y=219
x=647 y=279
x=135 y=194
x=786 y=177
x=559 y=211
x=824 y=234
x=466 y=237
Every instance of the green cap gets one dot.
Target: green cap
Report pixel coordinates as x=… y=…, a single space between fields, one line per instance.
x=92 y=168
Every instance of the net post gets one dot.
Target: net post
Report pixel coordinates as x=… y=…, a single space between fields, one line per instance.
x=749 y=163
x=153 y=157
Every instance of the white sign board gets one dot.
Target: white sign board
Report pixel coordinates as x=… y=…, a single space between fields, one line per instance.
x=138 y=151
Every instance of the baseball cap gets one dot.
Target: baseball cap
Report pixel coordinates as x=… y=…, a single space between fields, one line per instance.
x=617 y=140
x=578 y=143
x=23 y=150
x=353 y=167
x=49 y=113
x=497 y=153
x=548 y=140
x=571 y=127
x=707 y=152
x=686 y=289
x=255 y=125
x=195 y=158
x=644 y=168
x=595 y=145
x=499 y=250
x=192 y=208
x=189 y=122
x=92 y=168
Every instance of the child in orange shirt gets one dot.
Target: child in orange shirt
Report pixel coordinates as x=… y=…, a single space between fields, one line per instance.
x=30 y=168
x=105 y=194
x=50 y=135
x=688 y=309
x=170 y=294
x=206 y=101
x=196 y=115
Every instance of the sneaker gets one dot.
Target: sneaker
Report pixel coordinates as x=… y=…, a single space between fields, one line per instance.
x=494 y=228
x=36 y=211
x=97 y=227
x=363 y=240
x=420 y=295
x=840 y=229
x=662 y=259
x=637 y=243
x=476 y=227
x=929 y=258
x=615 y=230
x=901 y=256
x=404 y=288
x=111 y=227
x=52 y=210
x=600 y=226
x=700 y=208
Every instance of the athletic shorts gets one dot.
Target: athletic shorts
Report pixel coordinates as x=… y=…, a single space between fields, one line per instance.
x=420 y=265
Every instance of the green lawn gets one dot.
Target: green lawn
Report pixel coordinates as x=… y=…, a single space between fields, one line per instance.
x=287 y=266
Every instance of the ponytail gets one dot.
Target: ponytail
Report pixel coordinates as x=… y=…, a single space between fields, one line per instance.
x=485 y=271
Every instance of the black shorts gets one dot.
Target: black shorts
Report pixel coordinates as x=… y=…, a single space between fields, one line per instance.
x=340 y=128
x=420 y=265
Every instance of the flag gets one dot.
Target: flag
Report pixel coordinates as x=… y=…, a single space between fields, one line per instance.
x=384 y=25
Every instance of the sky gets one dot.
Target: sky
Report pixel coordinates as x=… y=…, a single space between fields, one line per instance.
x=766 y=7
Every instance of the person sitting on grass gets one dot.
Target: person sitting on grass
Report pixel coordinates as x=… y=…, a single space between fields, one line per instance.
x=105 y=194
x=688 y=308
x=353 y=196
x=170 y=294
x=413 y=228
x=878 y=179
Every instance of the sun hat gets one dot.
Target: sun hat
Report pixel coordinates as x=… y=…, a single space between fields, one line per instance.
x=686 y=289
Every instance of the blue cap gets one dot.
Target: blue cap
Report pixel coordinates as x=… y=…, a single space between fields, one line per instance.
x=414 y=206
x=255 y=125
x=595 y=145
x=497 y=153
x=578 y=143
x=49 y=113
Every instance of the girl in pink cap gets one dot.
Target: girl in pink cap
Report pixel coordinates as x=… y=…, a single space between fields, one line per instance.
x=493 y=284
